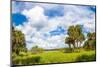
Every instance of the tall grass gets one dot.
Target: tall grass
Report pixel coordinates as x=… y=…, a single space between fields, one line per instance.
x=84 y=58
x=54 y=57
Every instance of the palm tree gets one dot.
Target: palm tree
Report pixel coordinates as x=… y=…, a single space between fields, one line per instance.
x=75 y=36
x=71 y=33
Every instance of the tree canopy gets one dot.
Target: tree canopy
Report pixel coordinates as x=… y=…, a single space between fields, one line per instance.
x=18 y=41
x=75 y=36
x=91 y=41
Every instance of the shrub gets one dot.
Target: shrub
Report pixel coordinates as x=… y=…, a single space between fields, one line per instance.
x=90 y=45
x=22 y=54
x=13 y=55
x=33 y=59
x=17 y=60
x=84 y=58
x=26 y=60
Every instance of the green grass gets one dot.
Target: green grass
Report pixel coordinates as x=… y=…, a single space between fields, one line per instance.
x=56 y=57
x=59 y=57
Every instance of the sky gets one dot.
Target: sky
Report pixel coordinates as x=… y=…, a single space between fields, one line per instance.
x=45 y=24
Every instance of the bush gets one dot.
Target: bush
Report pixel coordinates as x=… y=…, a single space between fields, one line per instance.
x=19 y=60
x=90 y=45
x=22 y=54
x=14 y=55
x=33 y=59
x=84 y=58
x=16 y=60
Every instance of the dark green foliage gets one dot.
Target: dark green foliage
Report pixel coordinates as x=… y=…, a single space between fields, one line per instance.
x=18 y=41
x=91 y=36
x=90 y=44
x=86 y=58
x=69 y=41
x=13 y=55
x=26 y=60
x=75 y=37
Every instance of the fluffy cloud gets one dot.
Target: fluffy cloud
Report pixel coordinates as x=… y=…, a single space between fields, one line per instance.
x=37 y=29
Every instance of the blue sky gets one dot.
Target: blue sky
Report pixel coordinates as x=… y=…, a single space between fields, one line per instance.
x=46 y=25
x=58 y=31
x=57 y=11
x=19 y=18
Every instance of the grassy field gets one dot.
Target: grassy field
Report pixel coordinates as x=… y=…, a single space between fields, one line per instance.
x=52 y=57
x=59 y=57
